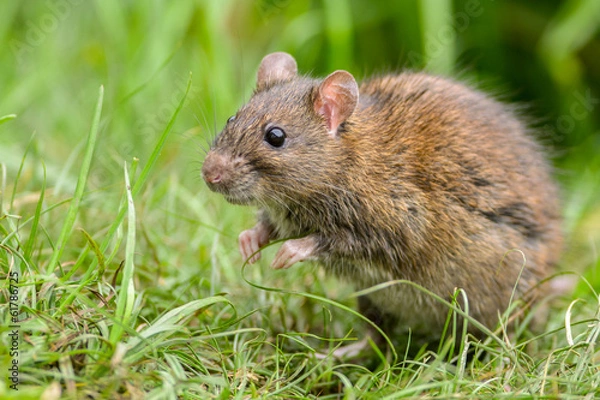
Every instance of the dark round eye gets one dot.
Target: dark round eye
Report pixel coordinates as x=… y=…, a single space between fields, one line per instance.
x=231 y=119
x=275 y=136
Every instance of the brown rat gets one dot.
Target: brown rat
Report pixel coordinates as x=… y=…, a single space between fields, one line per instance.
x=410 y=176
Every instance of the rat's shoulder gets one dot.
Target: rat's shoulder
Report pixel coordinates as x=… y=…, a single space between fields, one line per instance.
x=410 y=82
x=427 y=93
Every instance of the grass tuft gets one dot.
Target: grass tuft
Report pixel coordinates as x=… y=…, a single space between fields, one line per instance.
x=126 y=295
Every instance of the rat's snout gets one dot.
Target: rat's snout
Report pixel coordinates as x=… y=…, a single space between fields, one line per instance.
x=228 y=176
x=216 y=170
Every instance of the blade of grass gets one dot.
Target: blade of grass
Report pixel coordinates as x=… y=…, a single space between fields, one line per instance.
x=91 y=243
x=152 y=77
x=461 y=363
x=6 y=118
x=572 y=26
x=160 y=144
x=338 y=29
x=67 y=227
x=63 y=180
x=14 y=233
x=438 y=50
x=19 y=171
x=570 y=29
x=126 y=295
x=28 y=251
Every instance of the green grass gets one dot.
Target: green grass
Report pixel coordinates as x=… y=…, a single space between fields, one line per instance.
x=130 y=282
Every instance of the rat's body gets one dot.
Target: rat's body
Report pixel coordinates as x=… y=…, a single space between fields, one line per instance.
x=417 y=178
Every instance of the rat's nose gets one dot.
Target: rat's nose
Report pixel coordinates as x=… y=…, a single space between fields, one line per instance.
x=214 y=169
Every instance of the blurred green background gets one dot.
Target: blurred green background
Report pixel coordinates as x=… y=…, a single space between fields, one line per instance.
x=543 y=55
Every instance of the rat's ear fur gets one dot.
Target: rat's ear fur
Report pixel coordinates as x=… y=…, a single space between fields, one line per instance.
x=275 y=67
x=336 y=99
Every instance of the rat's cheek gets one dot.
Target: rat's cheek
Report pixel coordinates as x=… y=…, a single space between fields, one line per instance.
x=294 y=251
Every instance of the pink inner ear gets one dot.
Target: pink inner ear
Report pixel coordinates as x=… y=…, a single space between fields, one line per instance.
x=329 y=113
x=336 y=99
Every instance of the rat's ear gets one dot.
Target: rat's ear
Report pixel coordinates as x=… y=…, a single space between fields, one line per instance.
x=275 y=67
x=336 y=99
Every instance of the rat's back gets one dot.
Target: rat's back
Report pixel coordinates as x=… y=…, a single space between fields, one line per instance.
x=474 y=201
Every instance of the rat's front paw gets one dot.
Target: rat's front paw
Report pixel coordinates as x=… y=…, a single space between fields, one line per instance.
x=294 y=251
x=251 y=240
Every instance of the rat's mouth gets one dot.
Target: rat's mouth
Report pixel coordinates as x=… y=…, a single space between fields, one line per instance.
x=238 y=196
x=240 y=201
x=233 y=197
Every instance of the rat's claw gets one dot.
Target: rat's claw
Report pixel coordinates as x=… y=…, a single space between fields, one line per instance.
x=251 y=240
x=294 y=251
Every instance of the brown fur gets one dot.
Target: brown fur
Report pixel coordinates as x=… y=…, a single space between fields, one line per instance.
x=427 y=180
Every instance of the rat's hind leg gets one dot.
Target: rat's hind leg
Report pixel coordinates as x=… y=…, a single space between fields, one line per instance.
x=386 y=322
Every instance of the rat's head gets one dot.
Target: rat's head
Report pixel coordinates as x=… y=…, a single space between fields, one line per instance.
x=285 y=139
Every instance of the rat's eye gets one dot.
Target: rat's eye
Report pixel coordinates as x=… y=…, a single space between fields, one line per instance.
x=275 y=136
x=231 y=119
